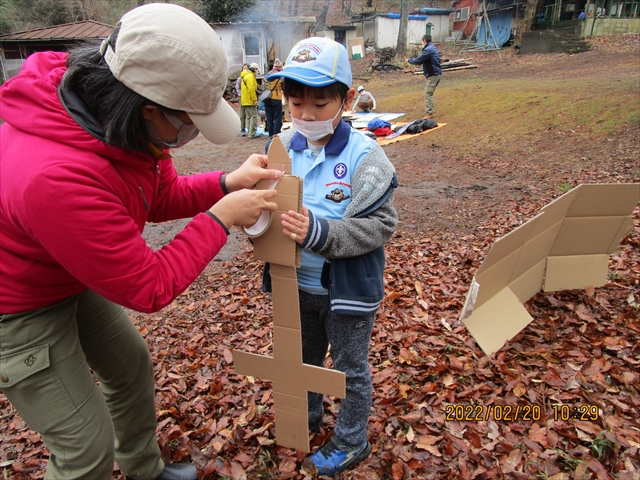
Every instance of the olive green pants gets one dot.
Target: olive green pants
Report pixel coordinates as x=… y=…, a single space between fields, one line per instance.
x=429 y=88
x=47 y=357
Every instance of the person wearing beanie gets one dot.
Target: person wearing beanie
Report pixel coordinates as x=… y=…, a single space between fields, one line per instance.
x=85 y=163
x=273 y=105
x=347 y=217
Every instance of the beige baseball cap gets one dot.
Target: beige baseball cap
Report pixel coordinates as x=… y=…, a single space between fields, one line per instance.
x=171 y=56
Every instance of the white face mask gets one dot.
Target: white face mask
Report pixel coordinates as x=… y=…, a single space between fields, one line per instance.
x=186 y=132
x=316 y=130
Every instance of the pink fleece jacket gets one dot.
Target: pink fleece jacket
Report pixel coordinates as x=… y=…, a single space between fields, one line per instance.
x=72 y=209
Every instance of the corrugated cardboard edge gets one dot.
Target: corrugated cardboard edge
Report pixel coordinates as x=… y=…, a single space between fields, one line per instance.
x=566 y=246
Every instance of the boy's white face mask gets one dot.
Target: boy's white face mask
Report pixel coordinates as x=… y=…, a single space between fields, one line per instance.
x=316 y=130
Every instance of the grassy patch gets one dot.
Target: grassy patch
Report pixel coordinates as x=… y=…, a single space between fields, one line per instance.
x=504 y=114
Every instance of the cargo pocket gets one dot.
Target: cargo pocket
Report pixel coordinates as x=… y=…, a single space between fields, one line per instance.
x=15 y=367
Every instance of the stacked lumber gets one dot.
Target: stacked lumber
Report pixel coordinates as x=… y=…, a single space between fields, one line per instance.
x=450 y=65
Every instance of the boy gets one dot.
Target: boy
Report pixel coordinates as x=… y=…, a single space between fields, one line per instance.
x=348 y=216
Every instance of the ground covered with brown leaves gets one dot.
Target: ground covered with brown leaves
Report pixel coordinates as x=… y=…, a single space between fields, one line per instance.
x=442 y=409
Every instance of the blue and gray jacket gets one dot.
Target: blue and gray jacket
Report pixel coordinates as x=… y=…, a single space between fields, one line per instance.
x=348 y=190
x=430 y=60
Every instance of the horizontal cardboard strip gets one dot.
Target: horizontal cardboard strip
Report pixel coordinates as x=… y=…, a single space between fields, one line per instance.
x=245 y=363
x=611 y=200
x=586 y=235
x=576 y=271
x=323 y=380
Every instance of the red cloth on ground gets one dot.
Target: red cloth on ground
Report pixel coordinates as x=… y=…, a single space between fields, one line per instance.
x=382 y=132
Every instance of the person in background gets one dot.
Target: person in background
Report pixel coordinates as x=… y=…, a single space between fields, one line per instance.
x=245 y=67
x=85 y=163
x=249 y=100
x=430 y=61
x=273 y=105
x=364 y=101
x=262 y=114
x=347 y=217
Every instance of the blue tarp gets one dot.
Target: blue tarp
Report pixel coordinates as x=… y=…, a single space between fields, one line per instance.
x=411 y=17
x=501 y=28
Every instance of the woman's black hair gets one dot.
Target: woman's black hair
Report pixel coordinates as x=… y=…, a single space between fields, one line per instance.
x=116 y=107
x=293 y=88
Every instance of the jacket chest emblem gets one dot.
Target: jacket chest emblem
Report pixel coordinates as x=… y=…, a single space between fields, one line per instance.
x=340 y=170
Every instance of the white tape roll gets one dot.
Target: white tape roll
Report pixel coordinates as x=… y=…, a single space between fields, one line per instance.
x=264 y=220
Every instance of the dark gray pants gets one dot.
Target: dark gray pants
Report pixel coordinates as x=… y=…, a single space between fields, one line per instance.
x=349 y=337
x=46 y=361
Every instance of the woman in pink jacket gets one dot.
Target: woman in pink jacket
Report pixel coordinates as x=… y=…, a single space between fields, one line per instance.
x=84 y=165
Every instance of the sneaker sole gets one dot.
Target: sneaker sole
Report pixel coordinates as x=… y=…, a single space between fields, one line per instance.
x=362 y=456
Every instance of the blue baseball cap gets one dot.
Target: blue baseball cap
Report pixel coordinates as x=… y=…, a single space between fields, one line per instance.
x=317 y=62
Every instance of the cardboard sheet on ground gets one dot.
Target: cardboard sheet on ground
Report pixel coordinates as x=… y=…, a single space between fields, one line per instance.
x=291 y=379
x=566 y=246
x=406 y=136
x=361 y=119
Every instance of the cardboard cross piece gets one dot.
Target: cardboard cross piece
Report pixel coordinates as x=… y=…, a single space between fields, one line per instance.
x=291 y=378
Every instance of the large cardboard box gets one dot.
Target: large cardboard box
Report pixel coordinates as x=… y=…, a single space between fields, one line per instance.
x=566 y=246
x=291 y=378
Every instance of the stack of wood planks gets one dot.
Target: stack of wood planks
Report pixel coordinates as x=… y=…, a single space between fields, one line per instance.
x=449 y=65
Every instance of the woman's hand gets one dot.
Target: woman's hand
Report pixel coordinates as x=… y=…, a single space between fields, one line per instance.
x=296 y=225
x=249 y=173
x=243 y=207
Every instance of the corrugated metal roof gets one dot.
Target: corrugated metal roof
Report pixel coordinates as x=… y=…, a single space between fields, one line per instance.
x=68 y=31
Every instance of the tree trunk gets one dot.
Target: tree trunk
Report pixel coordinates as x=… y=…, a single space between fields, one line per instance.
x=401 y=46
x=529 y=14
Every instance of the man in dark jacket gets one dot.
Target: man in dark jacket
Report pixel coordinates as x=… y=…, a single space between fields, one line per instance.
x=430 y=60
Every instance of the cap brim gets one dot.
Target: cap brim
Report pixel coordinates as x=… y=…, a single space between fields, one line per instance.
x=219 y=127
x=304 y=76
